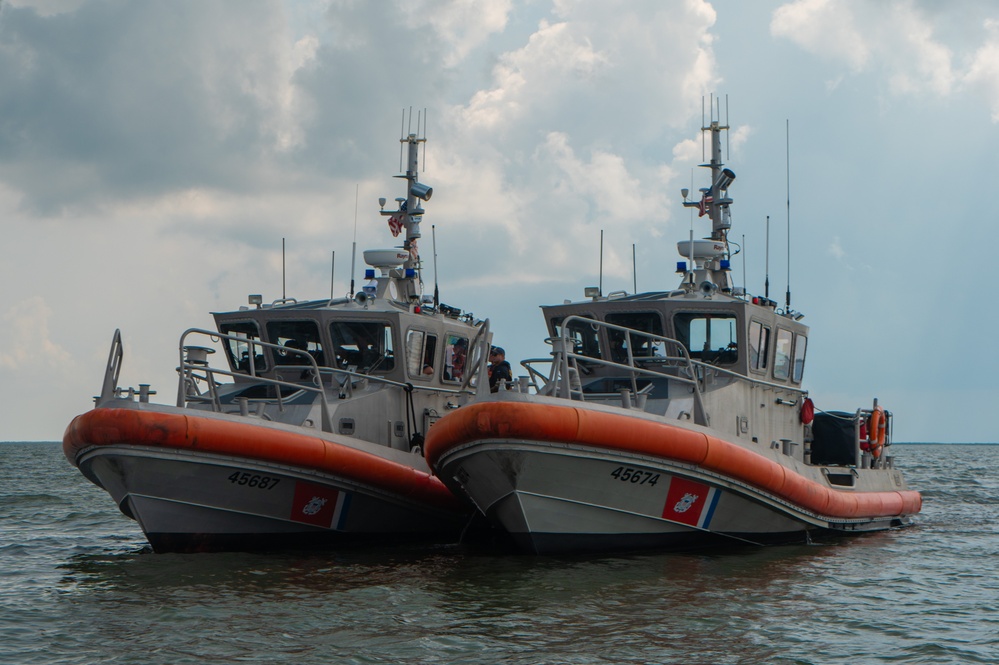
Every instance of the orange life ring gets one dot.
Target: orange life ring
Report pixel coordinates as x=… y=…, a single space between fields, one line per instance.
x=876 y=426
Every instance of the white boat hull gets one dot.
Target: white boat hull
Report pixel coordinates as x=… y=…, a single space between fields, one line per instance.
x=553 y=498
x=563 y=495
x=186 y=501
x=197 y=482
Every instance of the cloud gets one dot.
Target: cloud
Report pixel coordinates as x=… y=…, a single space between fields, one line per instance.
x=27 y=342
x=824 y=28
x=983 y=72
x=462 y=24
x=115 y=100
x=895 y=39
x=915 y=47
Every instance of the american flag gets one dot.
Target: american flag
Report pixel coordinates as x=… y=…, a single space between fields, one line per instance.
x=395 y=226
x=705 y=203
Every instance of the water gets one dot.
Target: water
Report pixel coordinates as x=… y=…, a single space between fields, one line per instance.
x=78 y=585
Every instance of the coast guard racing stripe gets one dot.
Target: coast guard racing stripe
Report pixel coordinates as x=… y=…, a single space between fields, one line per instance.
x=689 y=502
x=317 y=505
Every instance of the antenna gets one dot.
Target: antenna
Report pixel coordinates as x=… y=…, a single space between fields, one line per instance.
x=691 y=257
x=353 y=249
x=744 y=261
x=424 y=135
x=332 y=272
x=437 y=297
x=703 y=154
x=787 y=141
x=766 y=283
x=600 y=287
x=634 y=268
x=402 y=135
x=728 y=152
x=284 y=293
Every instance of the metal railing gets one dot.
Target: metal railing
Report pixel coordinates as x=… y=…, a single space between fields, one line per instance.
x=563 y=379
x=194 y=368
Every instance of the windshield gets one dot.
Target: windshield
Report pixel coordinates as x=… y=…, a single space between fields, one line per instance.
x=647 y=322
x=238 y=350
x=710 y=338
x=364 y=346
x=298 y=335
x=582 y=335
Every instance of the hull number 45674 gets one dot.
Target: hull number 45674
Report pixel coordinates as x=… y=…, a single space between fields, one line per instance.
x=635 y=476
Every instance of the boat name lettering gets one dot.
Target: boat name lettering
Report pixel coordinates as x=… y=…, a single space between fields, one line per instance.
x=254 y=480
x=635 y=476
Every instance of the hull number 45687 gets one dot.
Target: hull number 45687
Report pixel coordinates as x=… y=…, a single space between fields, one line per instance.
x=254 y=480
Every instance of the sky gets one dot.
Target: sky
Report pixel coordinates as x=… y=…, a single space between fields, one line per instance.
x=153 y=155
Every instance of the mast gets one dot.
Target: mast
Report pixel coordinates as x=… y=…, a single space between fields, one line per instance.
x=710 y=261
x=409 y=213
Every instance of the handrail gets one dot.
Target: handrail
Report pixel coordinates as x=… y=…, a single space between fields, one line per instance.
x=109 y=387
x=562 y=355
x=189 y=371
x=698 y=371
x=685 y=358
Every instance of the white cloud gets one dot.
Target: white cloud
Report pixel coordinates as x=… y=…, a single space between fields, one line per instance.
x=823 y=27
x=836 y=249
x=27 y=340
x=894 y=38
x=983 y=72
x=462 y=24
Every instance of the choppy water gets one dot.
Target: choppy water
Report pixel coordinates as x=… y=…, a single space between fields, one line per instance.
x=78 y=585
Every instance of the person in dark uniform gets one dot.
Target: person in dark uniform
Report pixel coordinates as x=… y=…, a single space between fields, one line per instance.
x=499 y=368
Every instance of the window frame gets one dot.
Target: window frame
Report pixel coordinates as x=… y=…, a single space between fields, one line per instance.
x=386 y=361
x=260 y=361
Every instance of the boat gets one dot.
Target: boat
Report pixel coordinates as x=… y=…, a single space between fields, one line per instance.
x=673 y=419
x=297 y=423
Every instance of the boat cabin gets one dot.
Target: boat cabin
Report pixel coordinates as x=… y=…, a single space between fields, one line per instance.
x=394 y=341
x=744 y=337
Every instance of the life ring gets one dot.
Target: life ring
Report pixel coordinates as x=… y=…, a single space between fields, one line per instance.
x=876 y=426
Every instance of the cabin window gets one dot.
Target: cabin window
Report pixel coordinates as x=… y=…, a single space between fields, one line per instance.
x=759 y=346
x=297 y=338
x=710 y=338
x=364 y=346
x=455 y=357
x=782 y=358
x=238 y=350
x=642 y=347
x=582 y=335
x=800 y=341
x=421 y=349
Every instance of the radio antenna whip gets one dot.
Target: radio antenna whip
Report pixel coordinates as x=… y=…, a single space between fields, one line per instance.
x=744 y=286
x=600 y=286
x=634 y=268
x=787 y=142
x=766 y=282
x=353 y=249
x=437 y=295
x=284 y=293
